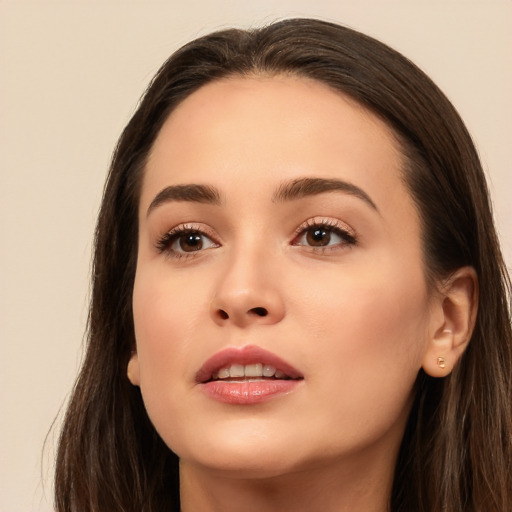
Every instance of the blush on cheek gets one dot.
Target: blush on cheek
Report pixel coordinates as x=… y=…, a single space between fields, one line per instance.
x=377 y=327
x=167 y=320
x=377 y=353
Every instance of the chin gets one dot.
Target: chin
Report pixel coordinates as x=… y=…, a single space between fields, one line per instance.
x=245 y=467
x=244 y=454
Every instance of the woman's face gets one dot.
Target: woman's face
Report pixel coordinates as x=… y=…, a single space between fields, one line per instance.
x=277 y=237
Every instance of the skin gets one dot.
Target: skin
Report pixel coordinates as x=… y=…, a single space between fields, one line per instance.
x=356 y=319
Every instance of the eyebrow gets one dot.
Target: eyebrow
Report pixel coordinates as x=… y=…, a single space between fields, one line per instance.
x=287 y=191
x=304 y=187
x=188 y=192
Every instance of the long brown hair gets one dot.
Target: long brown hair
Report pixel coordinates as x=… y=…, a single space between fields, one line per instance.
x=456 y=454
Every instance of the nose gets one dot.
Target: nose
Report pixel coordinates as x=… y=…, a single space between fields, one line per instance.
x=248 y=293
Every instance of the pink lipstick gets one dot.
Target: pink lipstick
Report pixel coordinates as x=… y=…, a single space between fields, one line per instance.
x=247 y=375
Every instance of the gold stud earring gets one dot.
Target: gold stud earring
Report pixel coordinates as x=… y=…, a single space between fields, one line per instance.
x=441 y=363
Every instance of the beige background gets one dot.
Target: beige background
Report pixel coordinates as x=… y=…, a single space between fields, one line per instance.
x=71 y=73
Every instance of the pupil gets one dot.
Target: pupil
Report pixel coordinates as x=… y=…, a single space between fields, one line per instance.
x=191 y=242
x=318 y=237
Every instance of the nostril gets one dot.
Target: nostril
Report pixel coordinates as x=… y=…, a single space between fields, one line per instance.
x=259 y=311
x=223 y=314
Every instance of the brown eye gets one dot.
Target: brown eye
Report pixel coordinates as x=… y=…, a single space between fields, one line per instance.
x=183 y=241
x=190 y=242
x=318 y=237
x=324 y=235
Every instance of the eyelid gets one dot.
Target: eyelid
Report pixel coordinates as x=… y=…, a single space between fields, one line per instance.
x=344 y=232
x=327 y=222
x=193 y=227
x=165 y=240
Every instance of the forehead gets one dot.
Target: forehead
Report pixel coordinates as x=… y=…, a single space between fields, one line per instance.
x=254 y=102
x=248 y=131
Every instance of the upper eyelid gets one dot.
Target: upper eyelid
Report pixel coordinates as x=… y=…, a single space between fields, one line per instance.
x=164 y=242
x=205 y=230
x=190 y=227
x=187 y=227
x=325 y=221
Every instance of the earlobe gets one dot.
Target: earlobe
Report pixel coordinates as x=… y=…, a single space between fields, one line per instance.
x=453 y=327
x=132 y=370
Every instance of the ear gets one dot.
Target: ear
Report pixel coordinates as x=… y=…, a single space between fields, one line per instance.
x=132 y=370
x=452 y=322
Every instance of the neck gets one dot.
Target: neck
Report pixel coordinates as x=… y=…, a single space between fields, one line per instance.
x=332 y=487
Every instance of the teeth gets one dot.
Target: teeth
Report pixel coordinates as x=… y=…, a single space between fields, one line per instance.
x=223 y=374
x=268 y=370
x=237 y=370
x=249 y=370
x=254 y=370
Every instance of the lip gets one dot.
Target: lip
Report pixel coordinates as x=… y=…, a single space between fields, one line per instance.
x=244 y=355
x=251 y=391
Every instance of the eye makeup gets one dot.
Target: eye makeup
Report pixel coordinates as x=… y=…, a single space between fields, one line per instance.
x=324 y=233
x=317 y=234
x=186 y=240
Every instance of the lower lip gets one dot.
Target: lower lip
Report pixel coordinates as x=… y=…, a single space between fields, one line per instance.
x=248 y=392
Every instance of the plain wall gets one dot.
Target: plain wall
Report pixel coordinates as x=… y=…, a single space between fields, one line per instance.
x=71 y=73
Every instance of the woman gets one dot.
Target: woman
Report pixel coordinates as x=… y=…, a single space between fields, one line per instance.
x=299 y=301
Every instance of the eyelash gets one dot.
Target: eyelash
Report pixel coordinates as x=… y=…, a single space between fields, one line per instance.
x=330 y=225
x=165 y=242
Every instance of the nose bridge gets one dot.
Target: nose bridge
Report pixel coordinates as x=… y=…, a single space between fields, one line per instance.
x=247 y=290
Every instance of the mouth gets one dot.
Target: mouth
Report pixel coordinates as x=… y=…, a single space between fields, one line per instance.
x=247 y=375
x=246 y=363
x=247 y=372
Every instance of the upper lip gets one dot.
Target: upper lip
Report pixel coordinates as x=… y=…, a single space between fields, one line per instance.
x=248 y=354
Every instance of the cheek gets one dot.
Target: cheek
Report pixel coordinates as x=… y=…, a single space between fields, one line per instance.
x=369 y=335
x=165 y=310
x=380 y=322
x=385 y=310
x=165 y=326
x=167 y=316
